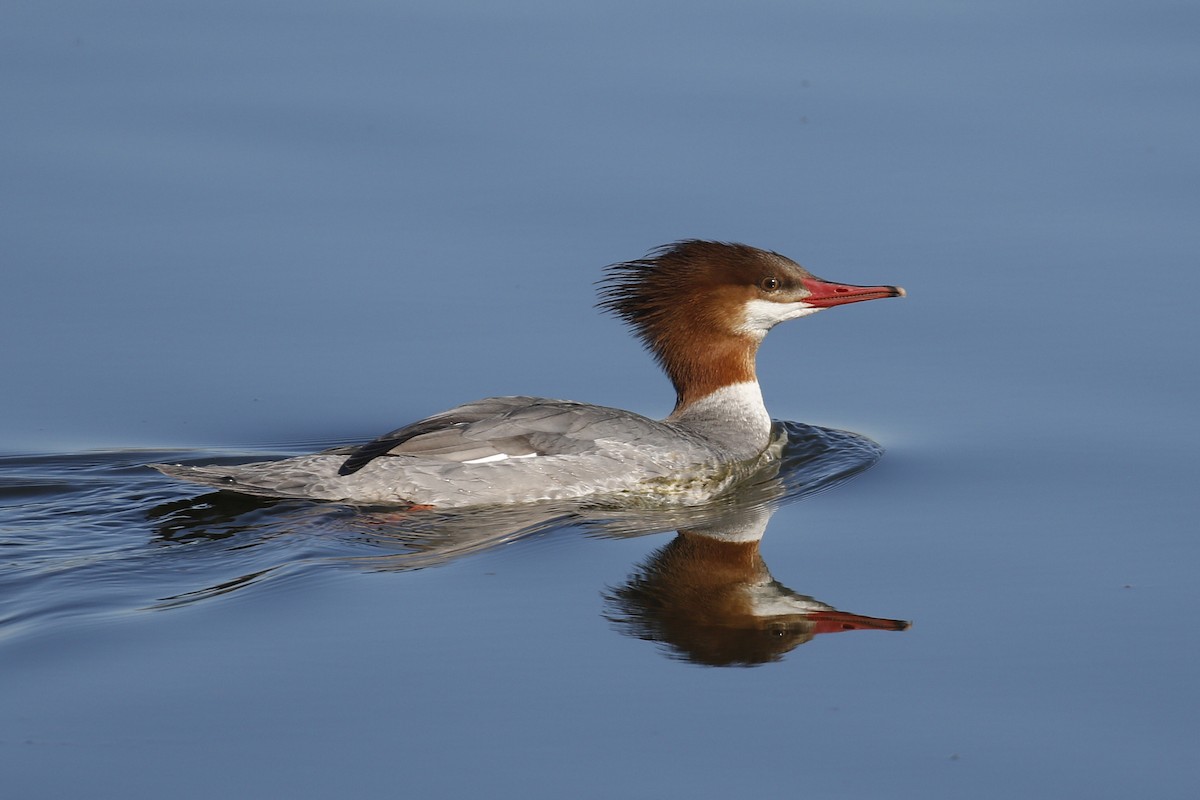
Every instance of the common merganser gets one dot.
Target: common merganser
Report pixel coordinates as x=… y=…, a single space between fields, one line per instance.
x=700 y=307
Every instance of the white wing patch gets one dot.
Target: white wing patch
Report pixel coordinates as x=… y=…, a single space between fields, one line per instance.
x=498 y=457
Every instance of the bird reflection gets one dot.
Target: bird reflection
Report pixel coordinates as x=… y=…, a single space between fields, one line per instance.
x=708 y=598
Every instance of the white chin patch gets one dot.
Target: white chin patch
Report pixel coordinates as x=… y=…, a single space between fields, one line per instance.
x=760 y=316
x=768 y=600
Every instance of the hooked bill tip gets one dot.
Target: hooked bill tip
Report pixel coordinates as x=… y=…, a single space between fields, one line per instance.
x=900 y=291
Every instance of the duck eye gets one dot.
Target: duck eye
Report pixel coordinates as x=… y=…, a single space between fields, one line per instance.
x=770 y=284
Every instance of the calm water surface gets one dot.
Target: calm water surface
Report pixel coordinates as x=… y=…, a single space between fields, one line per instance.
x=231 y=231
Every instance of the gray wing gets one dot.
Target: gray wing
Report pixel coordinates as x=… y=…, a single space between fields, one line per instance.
x=492 y=428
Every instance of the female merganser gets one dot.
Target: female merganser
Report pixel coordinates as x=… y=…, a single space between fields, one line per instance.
x=700 y=307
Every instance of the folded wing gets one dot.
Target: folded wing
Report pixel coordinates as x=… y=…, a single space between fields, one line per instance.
x=491 y=430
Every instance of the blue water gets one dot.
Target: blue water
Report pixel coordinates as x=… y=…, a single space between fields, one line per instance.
x=235 y=229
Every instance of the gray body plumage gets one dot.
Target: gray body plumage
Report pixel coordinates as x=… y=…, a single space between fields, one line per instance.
x=524 y=449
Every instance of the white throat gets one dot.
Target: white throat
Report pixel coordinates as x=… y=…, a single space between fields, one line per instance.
x=733 y=415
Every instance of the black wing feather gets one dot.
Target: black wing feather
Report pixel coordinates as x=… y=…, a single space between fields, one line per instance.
x=363 y=454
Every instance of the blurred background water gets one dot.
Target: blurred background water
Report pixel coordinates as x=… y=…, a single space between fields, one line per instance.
x=233 y=227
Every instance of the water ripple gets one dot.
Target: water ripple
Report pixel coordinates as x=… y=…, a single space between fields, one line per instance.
x=98 y=534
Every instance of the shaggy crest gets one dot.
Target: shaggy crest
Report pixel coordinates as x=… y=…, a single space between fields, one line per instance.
x=689 y=292
x=646 y=293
